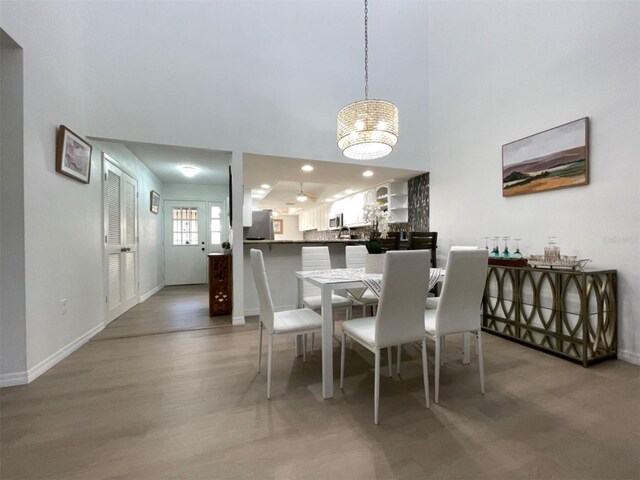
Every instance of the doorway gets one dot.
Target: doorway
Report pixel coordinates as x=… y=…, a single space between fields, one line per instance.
x=120 y=239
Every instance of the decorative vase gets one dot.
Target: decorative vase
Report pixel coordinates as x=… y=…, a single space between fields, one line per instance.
x=374 y=262
x=226 y=251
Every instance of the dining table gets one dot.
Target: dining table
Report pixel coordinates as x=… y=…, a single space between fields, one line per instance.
x=343 y=279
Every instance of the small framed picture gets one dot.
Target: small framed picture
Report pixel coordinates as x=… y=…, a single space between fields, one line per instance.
x=277 y=226
x=73 y=155
x=154 y=202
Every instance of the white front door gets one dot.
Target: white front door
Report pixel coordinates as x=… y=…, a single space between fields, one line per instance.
x=120 y=240
x=185 y=242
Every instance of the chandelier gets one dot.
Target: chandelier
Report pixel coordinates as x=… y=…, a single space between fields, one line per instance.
x=367 y=129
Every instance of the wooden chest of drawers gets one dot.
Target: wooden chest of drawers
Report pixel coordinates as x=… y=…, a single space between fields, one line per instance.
x=220 y=284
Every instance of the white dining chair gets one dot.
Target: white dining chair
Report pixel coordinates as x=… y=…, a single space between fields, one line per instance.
x=290 y=322
x=354 y=258
x=458 y=309
x=400 y=316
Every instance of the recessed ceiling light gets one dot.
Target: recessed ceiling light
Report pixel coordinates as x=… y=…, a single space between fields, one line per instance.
x=259 y=191
x=348 y=192
x=307 y=168
x=189 y=170
x=367 y=173
x=264 y=185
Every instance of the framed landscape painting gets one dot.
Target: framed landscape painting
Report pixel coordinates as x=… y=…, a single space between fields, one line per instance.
x=277 y=226
x=154 y=202
x=73 y=155
x=555 y=158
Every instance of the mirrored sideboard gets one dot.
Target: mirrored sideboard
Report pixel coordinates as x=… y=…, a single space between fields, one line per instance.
x=569 y=313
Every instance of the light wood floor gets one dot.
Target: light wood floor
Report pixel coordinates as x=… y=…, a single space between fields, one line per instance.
x=172 y=309
x=189 y=405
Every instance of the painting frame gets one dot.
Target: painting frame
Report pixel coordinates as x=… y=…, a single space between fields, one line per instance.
x=556 y=169
x=278 y=228
x=154 y=202
x=73 y=155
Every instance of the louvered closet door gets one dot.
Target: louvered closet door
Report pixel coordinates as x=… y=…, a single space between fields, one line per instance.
x=121 y=246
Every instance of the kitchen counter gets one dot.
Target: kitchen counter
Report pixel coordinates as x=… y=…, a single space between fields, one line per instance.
x=354 y=241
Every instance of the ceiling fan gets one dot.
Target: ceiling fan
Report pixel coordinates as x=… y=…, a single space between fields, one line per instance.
x=303 y=197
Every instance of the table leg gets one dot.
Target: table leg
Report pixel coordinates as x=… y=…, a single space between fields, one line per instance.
x=466 y=348
x=299 y=338
x=327 y=342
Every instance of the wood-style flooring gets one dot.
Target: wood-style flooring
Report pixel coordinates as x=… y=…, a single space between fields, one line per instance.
x=189 y=405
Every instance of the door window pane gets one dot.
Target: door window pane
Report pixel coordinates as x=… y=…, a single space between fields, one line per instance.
x=216 y=225
x=185 y=226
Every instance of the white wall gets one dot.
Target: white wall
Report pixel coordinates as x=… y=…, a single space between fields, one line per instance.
x=289 y=228
x=13 y=342
x=500 y=71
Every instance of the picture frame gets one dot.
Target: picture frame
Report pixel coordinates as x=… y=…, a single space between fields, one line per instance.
x=549 y=160
x=73 y=155
x=277 y=226
x=154 y=202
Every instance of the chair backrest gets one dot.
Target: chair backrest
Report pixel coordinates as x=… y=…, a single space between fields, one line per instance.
x=260 y=277
x=400 y=316
x=424 y=241
x=460 y=301
x=392 y=242
x=314 y=258
x=354 y=255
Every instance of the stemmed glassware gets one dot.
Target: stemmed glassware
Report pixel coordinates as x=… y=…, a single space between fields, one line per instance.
x=517 y=253
x=495 y=252
x=486 y=243
x=505 y=252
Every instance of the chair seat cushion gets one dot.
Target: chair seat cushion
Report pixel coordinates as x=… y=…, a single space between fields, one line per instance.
x=367 y=298
x=432 y=303
x=315 y=302
x=363 y=330
x=430 y=321
x=291 y=321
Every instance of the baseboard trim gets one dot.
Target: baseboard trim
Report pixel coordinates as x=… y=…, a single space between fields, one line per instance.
x=238 y=321
x=64 y=352
x=630 y=357
x=151 y=293
x=12 y=379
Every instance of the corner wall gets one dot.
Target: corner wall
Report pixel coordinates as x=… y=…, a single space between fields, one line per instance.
x=520 y=68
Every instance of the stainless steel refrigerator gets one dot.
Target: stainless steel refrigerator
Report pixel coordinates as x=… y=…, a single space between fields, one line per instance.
x=261 y=226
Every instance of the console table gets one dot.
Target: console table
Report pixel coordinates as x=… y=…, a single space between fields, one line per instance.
x=568 y=313
x=220 y=284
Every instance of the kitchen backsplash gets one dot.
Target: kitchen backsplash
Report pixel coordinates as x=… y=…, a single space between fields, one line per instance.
x=360 y=232
x=419 y=203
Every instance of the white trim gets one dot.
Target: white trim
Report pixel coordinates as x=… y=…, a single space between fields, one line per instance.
x=64 y=352
x=238 y=321
x=11 y=379
x=630 y=357
x=151 y=293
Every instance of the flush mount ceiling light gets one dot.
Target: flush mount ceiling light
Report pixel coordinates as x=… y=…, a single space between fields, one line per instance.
x=189 y=170
x=307 y=168
x=367 y=173
x=301 y=196
x=367 y=129
x=265 y=186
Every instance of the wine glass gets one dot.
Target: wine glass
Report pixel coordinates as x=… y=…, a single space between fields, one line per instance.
x=505 y=252
x=495 y=252
x=486 y=243
x=517 y=253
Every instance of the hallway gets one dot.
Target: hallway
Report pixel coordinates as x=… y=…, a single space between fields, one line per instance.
x=172 y=309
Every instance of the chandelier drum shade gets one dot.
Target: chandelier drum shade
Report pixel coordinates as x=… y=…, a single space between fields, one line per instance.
x=367 y=129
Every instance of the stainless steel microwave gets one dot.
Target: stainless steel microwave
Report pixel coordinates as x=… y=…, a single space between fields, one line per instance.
x=336 y=222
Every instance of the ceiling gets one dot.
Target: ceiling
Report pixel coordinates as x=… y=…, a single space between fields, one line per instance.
x=164 y=160
x=284 y=176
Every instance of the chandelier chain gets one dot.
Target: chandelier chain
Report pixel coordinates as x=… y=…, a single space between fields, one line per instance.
x=366 y=49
